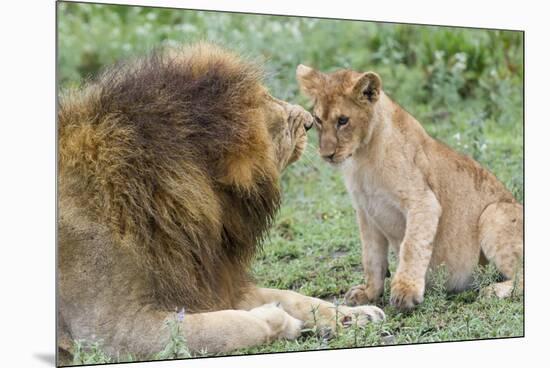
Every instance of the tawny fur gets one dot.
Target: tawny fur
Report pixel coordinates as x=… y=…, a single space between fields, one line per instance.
x=432 y=205
x=168 y=180
x=150 y=149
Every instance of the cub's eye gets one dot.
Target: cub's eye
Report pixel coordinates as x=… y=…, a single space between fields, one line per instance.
x=342 y=120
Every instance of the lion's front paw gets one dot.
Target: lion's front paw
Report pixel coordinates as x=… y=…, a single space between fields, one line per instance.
x=360 y=295
x=362 y=315
x=292 y=328
x=282 y=324
x=406 y=293
x=299 y=116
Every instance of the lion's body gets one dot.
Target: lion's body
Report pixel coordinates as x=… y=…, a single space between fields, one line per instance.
x=168 y=179
x=412 y=193
x=143 y=154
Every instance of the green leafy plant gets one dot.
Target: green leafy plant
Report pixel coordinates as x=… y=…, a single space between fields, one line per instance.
x=176 y=346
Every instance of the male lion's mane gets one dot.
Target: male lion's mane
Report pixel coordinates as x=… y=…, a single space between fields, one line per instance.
x=170 y=152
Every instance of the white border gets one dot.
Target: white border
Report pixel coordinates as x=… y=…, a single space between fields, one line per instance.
x=28 y=162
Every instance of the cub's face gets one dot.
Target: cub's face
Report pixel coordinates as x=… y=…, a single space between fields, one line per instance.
x=344 y=103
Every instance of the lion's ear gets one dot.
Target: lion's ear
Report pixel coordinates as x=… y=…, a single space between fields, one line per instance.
x=367 y=88
x=310 y=80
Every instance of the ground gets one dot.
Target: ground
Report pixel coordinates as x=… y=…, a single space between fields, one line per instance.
x=464 y=85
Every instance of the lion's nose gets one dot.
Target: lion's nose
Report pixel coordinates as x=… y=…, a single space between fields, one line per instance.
x=329 y=157
x=308 y=125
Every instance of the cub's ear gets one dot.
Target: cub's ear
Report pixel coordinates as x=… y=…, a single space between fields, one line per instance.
x=309 y=79
x=367 y=88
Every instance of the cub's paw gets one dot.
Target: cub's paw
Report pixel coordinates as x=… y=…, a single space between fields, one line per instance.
x=360 y=295
x=406 y=293
x=500 y=290
x=362 y=315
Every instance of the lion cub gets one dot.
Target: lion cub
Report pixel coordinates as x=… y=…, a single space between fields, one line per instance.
x=432 y=205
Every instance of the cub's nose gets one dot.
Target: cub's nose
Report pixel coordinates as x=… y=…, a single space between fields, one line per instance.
x=308 y=124
x=329 y=157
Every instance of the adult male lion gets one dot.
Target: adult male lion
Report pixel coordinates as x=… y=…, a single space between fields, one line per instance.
x=168 y=179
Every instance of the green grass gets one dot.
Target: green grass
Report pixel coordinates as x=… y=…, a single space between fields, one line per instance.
x=465 y=86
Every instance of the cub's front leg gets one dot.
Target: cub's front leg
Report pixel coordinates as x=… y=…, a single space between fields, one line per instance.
x=375 y=263
x=407 y=287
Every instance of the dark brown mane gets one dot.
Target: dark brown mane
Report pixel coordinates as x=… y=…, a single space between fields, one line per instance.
x=150 y=148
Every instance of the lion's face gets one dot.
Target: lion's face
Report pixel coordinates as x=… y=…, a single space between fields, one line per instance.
x=287 y=125
x=343 y=111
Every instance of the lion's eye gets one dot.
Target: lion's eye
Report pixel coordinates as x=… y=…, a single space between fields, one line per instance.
x=342 y=120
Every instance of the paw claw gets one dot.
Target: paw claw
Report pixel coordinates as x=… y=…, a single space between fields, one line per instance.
x=299 y=114
x=405 y=294
x=362 y=315
x=359 y=295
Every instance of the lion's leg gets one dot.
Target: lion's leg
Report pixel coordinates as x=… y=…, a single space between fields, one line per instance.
x=375 y=263
x=501 y=240
x=64 y=342
x=227 y=330
x=146 y=332
x=312 y=311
